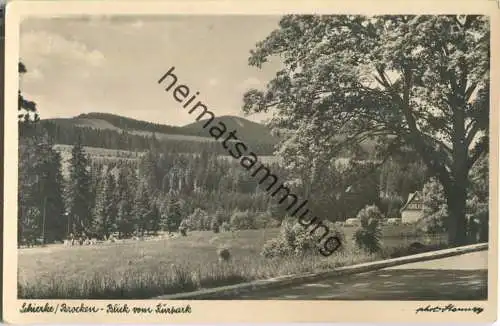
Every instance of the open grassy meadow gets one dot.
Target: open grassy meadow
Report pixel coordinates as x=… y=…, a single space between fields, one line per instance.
x=144 y=269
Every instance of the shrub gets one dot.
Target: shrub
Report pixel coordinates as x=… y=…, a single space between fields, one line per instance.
x=276 y=248
x=226 y=227
x=273 y=223
x=183 y=227
x=207 y=223
x=221 y=216
x=185 y=224
x=435 y=208
x=215 y=226
x=242 y=221
x=198 y=219
x=283 y=245
x=262 y=220
x=435 y=222
x=304 y=242
x=224 y=254
x=367 y=236
x=296 y=240
x=369 y=212
x=416 y=247
x=336 y=232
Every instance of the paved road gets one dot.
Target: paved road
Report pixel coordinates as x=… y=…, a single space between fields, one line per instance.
x=455 y=278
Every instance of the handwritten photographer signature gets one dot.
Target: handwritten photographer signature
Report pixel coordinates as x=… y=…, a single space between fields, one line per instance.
x=449 y=308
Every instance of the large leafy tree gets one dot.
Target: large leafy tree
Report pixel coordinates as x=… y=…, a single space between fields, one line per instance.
x=479 y=196
x=420 y=82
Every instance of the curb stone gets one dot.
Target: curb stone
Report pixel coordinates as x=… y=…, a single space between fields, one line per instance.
x=283 y=281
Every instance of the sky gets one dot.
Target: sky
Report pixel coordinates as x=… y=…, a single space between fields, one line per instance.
x=112 y=64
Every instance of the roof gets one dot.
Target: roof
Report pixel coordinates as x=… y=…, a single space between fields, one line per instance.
x=414 y=197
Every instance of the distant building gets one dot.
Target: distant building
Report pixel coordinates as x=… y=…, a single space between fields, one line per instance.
x=352 y=222
x=413 y=210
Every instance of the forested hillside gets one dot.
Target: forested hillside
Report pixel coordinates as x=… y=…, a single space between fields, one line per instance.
x=117 y=132
x=155 y=187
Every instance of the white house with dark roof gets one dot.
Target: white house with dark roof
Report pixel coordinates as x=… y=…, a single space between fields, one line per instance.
x=413 y=210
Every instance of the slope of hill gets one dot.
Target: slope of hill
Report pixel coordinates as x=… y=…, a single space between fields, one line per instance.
x=84 y=122
x=130 y=124
x=257 y=136
x=246 y=130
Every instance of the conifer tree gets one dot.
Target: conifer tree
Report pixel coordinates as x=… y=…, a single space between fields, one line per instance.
x=106 y=208
x=148 y=171
x=174 y=215
x=80 y=196
x=142 y=209
x=155 y=223
x=124 y=199
x=28 y=214
x=54 y=208
x=124 y=219
x=41 y=205
x=122 y=189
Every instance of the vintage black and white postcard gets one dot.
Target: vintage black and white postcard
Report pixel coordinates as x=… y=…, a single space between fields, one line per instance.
x=273 y=161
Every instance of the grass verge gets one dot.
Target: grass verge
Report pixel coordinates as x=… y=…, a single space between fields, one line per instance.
x=144 y=270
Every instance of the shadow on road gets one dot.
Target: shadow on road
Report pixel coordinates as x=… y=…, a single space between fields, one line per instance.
x=405 y=284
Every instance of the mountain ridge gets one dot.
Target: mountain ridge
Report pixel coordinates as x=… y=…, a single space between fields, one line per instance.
x=246 y=130
x=254 y=134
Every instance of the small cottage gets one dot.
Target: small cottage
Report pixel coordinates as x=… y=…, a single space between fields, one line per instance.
x=413 y=210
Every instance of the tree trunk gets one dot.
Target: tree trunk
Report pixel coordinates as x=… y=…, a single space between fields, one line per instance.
x=457 y=191
x=483 y=227
x=457 y=226
x=457 y=196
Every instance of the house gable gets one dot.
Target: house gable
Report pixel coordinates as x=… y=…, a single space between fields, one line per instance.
x=414 y=202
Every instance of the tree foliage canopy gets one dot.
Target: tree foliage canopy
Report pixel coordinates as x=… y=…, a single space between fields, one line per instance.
x=415 y=81
x=27 y=109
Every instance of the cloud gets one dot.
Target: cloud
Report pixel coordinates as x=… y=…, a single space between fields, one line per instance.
x=213 y=82
x=249 y=83
x=34 y=74
x=40 y=44
x=86 y=62
x=137 y=24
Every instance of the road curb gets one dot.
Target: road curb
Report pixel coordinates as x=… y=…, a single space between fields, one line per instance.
x=232 y=290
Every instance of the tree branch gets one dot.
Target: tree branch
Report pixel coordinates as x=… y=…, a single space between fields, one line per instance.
x=415 y=137
x=472 y=133
x=480 y=148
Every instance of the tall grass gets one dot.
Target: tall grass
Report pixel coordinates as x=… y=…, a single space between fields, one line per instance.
x=147 y=269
